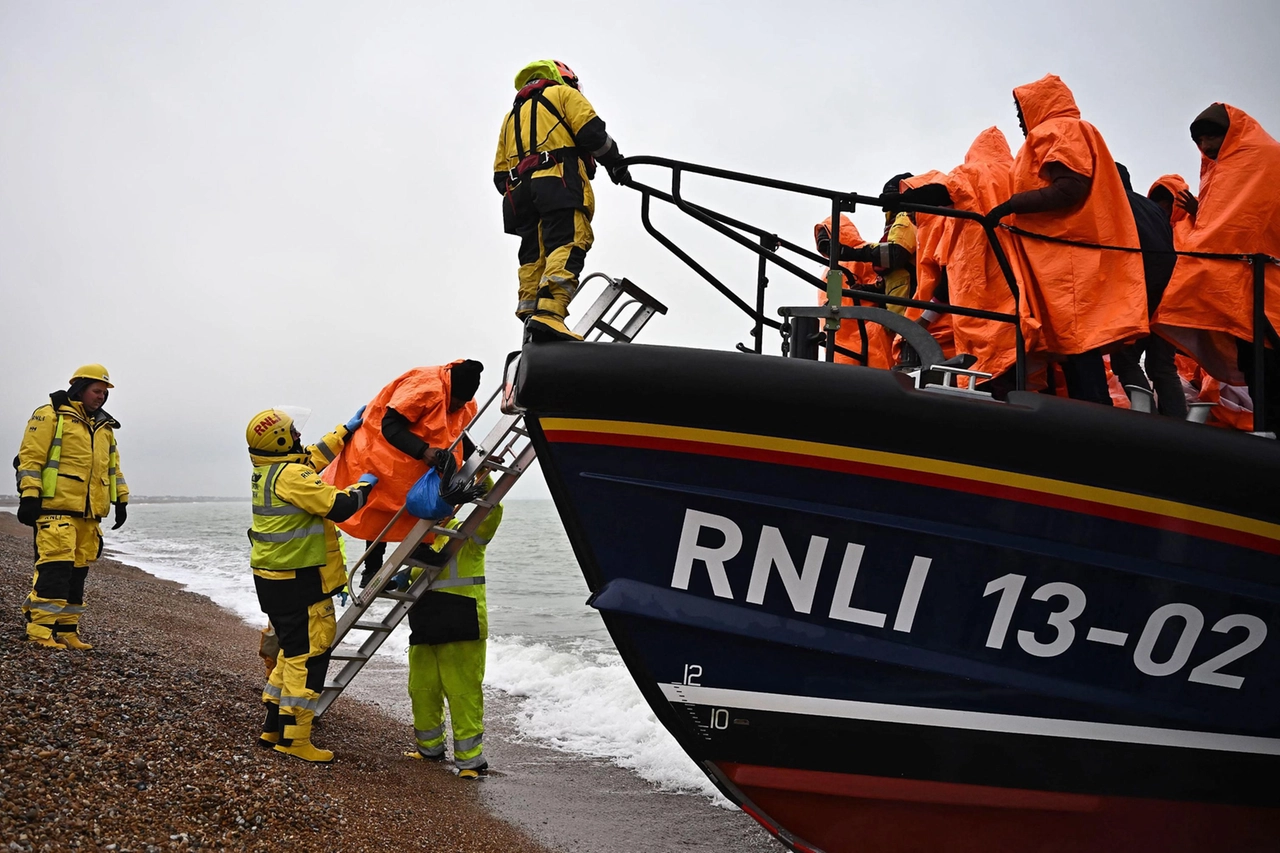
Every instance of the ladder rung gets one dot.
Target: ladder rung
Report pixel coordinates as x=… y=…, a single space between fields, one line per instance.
x=334 y=685
x=494 y=466
x=450 y=532
x=360 y=656
x=397 y=595
x=371 y=626
x=485 y=504
x=613 y=332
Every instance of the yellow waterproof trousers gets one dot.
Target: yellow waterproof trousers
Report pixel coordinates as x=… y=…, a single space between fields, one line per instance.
x=553 y=251
x=293 y=689
x=65 y=546
x=451 y=672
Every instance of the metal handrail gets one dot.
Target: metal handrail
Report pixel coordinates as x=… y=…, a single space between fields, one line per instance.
x=766 y=245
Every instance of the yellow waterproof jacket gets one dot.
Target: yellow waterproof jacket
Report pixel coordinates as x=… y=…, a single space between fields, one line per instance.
x=900 y=282
x=573 y=138
x=85 y=477
x=297 y=483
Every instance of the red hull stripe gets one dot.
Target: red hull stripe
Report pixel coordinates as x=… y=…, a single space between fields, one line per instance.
x=988 y=482
x=903 y=790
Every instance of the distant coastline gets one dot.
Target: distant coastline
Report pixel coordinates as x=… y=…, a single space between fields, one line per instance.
x=12 y=500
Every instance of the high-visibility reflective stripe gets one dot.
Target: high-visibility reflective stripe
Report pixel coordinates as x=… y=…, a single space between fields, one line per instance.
x=286 y=509
x=298 y=702
x=448 y=582
x=113 y=479
x=45 y=606
x=272 y=691
x=24 y=474
x=481 y=540
x=467 y=743
x=473 y=763
x=269 y=487
x=526 y=305
x=431 y=751
x=74 y=609
x=49 y=476
x=287 y=536
x=429 y=734
x=326 y=452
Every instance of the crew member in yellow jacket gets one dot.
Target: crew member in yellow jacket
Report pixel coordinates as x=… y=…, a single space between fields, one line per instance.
x=298 y=565
x=546 y=158
x=449 y=627
x=68 y=474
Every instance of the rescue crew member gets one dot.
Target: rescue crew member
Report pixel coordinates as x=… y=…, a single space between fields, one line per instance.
x=1207 y=310
x=68 y=474
x=449 y=627
x=409 y=424
x=894 y=257
x=547 y=153
x=298 y=565
x=1078 y=300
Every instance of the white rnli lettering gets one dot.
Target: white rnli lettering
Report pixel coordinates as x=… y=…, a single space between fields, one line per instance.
x=801 y=583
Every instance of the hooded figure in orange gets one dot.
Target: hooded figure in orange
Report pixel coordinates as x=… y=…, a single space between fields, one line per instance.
x=1065 y=183
x=861 y=276
x=1207 y=310
x=974 y=278
x=417 y=415
x=934 y=236
x=1170 y=192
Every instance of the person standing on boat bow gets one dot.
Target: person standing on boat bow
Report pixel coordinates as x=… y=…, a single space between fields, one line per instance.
x=547 y=153
x=68 y=472
x=1079 y=300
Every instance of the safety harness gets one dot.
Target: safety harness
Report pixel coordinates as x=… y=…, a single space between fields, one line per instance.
x=534 y=160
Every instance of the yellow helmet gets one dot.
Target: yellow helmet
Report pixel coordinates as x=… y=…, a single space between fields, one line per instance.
x=270 y=432
x=96 y=372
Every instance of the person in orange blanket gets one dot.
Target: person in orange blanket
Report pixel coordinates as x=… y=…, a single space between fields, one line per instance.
x=1173 y=194
x=933 y=235
x=407 y=426
x=861 y=276
x=1207 y=310
x=973 y=276
x=1077 y=300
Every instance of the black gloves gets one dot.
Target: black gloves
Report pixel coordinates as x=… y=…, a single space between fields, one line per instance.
x=29 y=511
x=1000 y=211
x=460 y=496
x=121 y=515
x=619 y=174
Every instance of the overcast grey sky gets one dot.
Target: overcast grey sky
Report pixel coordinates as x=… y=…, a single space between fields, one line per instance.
x=239 y=204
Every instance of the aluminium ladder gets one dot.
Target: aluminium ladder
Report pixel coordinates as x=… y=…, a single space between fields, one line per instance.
x=505 y=453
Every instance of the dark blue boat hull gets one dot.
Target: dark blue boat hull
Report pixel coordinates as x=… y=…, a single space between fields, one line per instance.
x=927 y=592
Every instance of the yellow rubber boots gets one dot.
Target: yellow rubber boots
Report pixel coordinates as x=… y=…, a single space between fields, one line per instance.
x=295 y=737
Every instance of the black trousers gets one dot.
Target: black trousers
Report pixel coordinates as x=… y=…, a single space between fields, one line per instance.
x=1160 y=367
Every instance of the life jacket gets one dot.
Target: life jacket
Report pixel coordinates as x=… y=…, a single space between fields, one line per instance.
x=533 y=160
x=283 y=536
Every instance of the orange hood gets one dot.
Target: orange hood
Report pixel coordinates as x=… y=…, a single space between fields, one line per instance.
x=1047 y=98
x=1173 y=183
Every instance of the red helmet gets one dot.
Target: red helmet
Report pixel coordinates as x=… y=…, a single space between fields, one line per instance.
x=567 y=73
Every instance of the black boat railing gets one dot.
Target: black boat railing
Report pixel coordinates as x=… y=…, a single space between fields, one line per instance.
x=766 y=245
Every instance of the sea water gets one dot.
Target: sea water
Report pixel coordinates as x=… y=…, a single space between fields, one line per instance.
x=548 y=651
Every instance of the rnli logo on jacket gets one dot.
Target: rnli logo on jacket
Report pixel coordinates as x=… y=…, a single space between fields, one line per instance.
x=265 y=424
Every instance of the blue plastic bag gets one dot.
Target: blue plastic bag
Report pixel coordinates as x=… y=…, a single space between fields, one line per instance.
x=424 y=501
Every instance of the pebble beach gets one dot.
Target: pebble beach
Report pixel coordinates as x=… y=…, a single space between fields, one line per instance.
x=148 y=743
